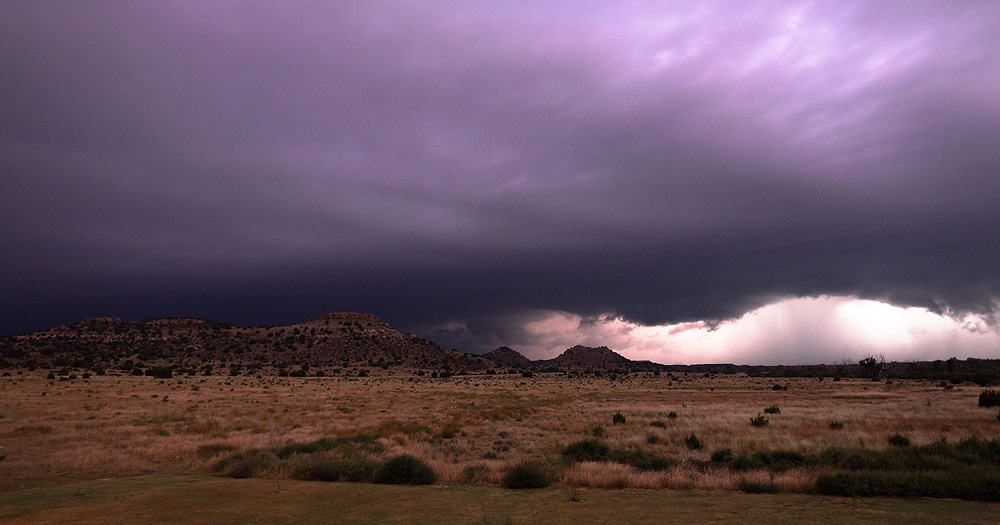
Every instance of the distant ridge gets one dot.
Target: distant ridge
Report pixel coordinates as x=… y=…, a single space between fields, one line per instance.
x=334 y=339
x=577 y=359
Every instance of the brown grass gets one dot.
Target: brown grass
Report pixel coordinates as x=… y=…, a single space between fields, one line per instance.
x=109 y=426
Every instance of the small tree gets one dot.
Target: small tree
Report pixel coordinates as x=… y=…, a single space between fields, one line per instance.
x=872 y=366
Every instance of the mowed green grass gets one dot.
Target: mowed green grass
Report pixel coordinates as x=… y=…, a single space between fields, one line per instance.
x=209 y=499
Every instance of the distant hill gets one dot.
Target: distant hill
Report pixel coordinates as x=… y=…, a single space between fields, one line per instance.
x=336 y=339
x=577 y=359
x=508 y=357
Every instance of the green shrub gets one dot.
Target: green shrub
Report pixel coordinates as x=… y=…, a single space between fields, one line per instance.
x=756 y=487
x=899 y=440
x=989 y=398
x=618 y=419
x=597 y=431
x=980 y=484
x=405 y=470
x=693 y=442
x=527 y=476
x=658 y=424
x=672 y=415
x=358 y=470
x=639 y=459
x=315 y=468
x=161 y=372
x=474 y=473
x=836 y=425
x=652 y=439
x=759 y=421
x=773 y=409
x=586 y=450
x=241 y=465
x=723 y=455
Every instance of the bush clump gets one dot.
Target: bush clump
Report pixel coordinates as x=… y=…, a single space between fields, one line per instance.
x=773 y=409
x=756 y=487
x=989 y=398
x=527 y=476
x=475 y=473
x=759 y=421
x=405 y=470
x=314 y=468
x=586 y=450
x=899 y=440
x=692 y=442
x=723 y=455
x=618 y=419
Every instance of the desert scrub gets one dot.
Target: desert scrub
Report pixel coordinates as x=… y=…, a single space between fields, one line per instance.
x=405 y=470
x=692 y=442
x=773 y=409
x=899 y=440
x=317 y=468
x=528 y=475
x=473 y=474
x=618 y=419
x=759 y=421
x=586 y=450
x=595 y=450
x=989 y=398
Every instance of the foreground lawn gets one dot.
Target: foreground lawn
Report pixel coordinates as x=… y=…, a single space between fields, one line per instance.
x=209 y=499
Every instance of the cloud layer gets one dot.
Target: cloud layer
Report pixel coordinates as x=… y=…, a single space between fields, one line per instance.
x=427 y=162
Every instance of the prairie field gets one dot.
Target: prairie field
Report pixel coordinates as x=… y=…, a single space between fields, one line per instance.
x=470 y=429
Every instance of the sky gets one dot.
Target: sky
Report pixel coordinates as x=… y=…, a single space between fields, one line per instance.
x=687 y=182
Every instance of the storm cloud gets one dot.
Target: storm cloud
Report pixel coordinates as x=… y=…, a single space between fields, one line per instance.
x=444 y=164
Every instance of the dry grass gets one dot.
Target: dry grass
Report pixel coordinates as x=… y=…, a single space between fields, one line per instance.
x=109 y=426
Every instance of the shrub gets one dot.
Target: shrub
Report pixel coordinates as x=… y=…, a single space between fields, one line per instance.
x=777 y=387
x=239 y=465
x=527 y=476
x=597 y=431
x=981 y=484
x=314 y=468
x=652 y=439
x=618 y=419
x=836 y=425
x=692 y=442
x=989 y=398
x=474 y=473
x=358 y=470
x=161 y=372
x=586 y=450
x=723 y=455
x=658 y=424
x=672 y=415
x=527 y=374
x=773 y=409
x=405 y=470
x=899 y=440
x=759 y=421
x=639 y=459
x=756 y=487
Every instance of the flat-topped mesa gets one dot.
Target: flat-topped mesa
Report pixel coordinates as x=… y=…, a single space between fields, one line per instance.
x=340 y=316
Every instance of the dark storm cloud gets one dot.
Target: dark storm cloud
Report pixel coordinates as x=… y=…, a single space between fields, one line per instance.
x=264 y=163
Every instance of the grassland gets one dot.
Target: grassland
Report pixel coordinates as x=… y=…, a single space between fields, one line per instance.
x=57 y=432
x=203 y=499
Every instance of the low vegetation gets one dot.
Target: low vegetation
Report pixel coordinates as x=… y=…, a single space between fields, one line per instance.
x=848 y=437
